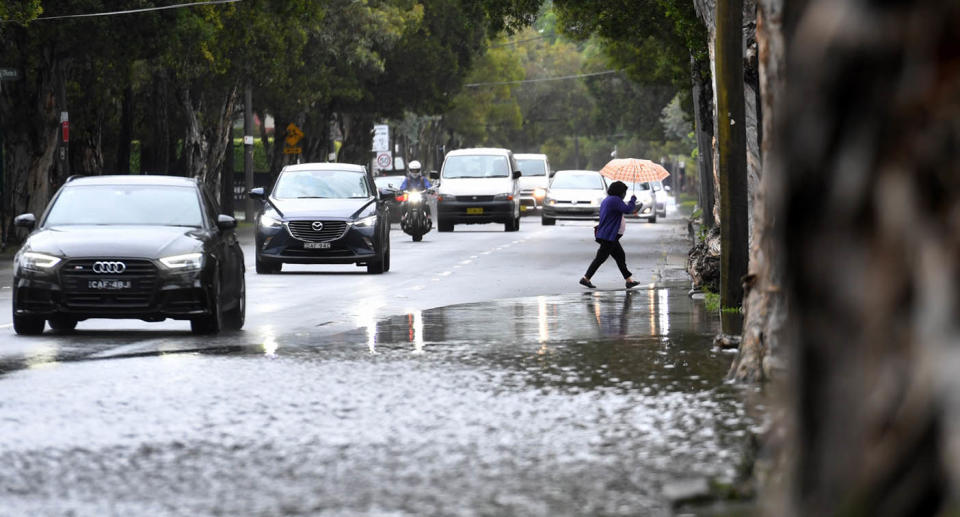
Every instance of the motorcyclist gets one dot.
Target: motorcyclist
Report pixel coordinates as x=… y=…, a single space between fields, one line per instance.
x=414 y=180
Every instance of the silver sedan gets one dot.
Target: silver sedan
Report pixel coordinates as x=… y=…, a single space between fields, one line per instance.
x=574 y=194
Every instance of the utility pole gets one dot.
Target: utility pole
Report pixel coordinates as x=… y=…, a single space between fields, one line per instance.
x=248 y=150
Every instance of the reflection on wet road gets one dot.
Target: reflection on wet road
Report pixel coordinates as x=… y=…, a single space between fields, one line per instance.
x=557 y=405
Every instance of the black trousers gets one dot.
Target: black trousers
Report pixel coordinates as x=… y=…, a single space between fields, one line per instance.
x=609 y=249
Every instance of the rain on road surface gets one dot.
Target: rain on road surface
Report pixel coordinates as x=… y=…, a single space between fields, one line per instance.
x=476 y=378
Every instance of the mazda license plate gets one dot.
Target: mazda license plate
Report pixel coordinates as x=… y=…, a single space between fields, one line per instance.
x=478 y=210
x=109 y=285
x=316 y=245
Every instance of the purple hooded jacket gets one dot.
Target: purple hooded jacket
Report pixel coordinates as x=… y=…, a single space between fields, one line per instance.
x=611 y=211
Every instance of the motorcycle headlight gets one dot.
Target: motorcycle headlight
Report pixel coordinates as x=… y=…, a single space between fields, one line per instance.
x=270 y=219
x=503 y=197
x=186 y=262
x=366 y=221
x=414 y=196
x=34 y=261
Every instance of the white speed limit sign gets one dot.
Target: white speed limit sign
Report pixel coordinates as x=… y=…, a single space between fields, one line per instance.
x=384 y=160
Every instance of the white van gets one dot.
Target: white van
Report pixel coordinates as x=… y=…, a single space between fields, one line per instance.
x=479 y=186
x=533 y=184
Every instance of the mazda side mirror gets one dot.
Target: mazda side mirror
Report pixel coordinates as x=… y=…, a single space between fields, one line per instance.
x=256 y=193
x=388 y=192
x=516 y=175
x=28 y=221
x=225 y=222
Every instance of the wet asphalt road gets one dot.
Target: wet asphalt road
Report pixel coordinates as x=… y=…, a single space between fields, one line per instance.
x=476 y=378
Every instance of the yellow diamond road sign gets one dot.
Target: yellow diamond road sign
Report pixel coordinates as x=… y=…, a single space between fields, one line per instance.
x=294 y=134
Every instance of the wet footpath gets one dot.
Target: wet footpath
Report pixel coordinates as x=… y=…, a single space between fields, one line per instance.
x=587 y=403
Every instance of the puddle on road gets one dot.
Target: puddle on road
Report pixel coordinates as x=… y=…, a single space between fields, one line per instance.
x=576 y=404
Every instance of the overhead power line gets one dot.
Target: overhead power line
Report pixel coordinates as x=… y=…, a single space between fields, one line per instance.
x=508 y=43
x=133 y=11
x=542 y=79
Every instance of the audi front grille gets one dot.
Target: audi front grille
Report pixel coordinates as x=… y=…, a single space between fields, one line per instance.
x=307 y=230
x=75 y=275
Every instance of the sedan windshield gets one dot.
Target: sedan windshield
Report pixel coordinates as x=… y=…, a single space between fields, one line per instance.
x=321 y=185
x=126 y=205
x=532 y=167
x=577 y=181
x=480 y=166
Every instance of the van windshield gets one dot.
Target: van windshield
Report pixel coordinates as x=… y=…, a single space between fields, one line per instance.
x=532 y=167
x=479 y=166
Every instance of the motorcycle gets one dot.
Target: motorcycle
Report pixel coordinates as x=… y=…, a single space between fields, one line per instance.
x=415 y=219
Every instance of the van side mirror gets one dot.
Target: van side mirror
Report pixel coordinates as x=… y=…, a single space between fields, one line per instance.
x=28 y=221
x=517 y=174
x=256 y=193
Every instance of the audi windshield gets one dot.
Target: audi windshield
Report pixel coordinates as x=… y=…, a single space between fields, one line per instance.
x=321 y=185
x=126 y=205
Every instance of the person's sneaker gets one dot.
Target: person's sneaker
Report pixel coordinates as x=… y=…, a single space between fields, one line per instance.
x=633 y=284
x=586 y=283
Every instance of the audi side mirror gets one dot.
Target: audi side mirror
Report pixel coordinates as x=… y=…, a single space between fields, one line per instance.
x=257 y=193
x=28 y=221
x=516 y=175
x=225 y=222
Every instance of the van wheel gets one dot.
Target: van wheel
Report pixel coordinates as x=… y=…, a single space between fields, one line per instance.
x=444 y=226
x=548 y=221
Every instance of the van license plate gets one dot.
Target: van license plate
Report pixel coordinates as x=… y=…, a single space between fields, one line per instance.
x=475 y=210
x=316 y=245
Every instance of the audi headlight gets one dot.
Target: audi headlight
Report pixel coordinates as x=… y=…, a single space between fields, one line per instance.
x=270 y=219
x=187 y=262
x=503 y=197
x=34 y=261
x=366 y=221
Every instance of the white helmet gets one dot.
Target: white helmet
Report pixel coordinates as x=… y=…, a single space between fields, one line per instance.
x=415 y=165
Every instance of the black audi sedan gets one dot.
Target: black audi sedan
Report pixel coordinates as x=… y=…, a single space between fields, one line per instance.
x=140 y=247
x=323 y=213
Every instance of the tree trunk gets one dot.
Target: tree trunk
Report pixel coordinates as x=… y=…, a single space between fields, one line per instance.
x=703 y=118
x=764 y=304
x=732 y=150
x=125 y=138
x=219 y=137
x=194 y=144
x=871 y=161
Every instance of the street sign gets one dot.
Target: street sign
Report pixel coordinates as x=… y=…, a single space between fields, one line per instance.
x=384 y=159
x=9 y=74
x=292 y=150
x=381 y=138
x=294 y=134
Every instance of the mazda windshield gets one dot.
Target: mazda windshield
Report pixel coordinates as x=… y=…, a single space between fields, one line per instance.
x=126 y=205
x=479 y=166
x=321 y=184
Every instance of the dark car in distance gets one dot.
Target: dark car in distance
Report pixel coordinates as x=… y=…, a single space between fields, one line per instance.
x=132 y=247
x=323 y=213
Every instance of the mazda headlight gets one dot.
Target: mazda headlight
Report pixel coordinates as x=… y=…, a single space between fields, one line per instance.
x=503 y=197
x=187 y=262
x=270 y=219
x=34 y=261
x=366 y=221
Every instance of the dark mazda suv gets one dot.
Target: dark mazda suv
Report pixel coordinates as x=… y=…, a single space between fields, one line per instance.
x=323 y=213
x=141 y=247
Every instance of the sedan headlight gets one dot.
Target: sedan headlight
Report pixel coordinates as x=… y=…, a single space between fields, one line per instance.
x=366 y=221
x=186 y=262
x=34 y=261
x=503 y=197
x=270 y=219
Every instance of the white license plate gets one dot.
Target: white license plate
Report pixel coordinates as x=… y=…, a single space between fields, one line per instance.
x=110 y=285
x=316 y=245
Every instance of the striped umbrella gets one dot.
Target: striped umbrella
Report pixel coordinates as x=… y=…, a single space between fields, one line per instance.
x=633 y=170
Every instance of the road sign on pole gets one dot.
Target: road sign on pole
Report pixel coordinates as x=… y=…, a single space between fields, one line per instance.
x=381 y=138
x=384 y=160
x=9 y=74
